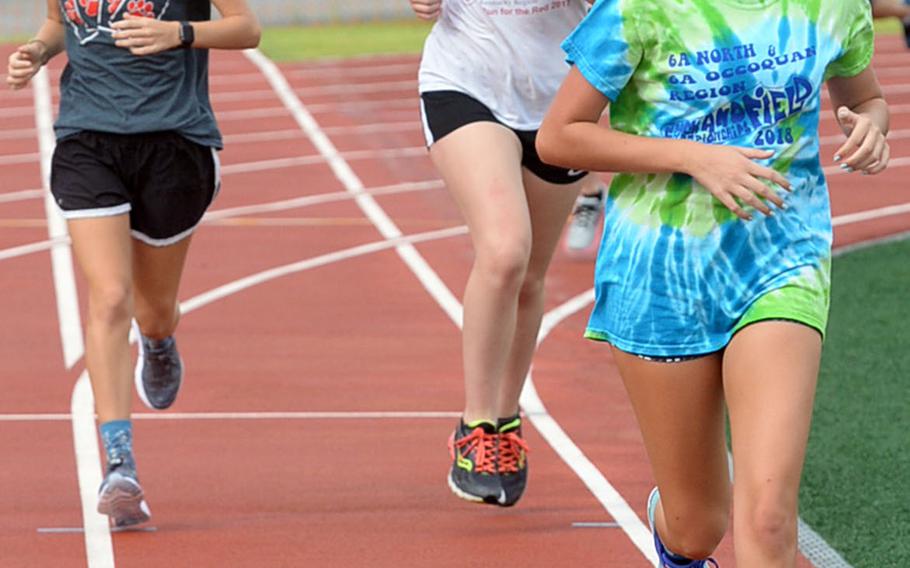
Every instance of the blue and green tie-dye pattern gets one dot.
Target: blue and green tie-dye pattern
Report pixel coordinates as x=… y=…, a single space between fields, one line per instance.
x=677 y=272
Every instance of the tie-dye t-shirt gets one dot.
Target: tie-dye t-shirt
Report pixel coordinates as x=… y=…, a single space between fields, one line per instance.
x=677 y=272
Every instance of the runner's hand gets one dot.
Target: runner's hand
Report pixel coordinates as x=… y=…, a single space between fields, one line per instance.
x=866 y=149
x=24 y=63
x=733 y=177
x=427 y=9
x=146 y=36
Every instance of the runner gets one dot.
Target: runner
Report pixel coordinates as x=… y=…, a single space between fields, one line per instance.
x=488 y=74
x=134 y=170
x=713 y=274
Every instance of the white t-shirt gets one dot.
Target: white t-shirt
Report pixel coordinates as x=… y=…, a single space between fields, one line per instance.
x=504 y=53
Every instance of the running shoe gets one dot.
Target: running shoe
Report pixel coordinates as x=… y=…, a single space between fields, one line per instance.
x=473 y=476
x=512 y=463
x=664 y=558
x=159 y=371
x=585 y=220
x=120 y=496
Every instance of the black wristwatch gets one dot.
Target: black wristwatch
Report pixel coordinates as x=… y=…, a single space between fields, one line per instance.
x=187 y=35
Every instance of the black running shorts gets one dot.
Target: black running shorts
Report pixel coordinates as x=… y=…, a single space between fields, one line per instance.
x=164 y=181
x=445 y=112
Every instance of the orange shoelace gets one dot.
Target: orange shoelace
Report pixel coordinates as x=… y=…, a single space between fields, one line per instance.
x=484 y=447
x=512 y=450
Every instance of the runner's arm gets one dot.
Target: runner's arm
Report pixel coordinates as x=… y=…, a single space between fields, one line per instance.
x=236 y=29
x=862 y=113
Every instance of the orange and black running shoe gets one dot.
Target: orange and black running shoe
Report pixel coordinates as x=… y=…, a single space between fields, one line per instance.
x=512 y=462
x=474 y=475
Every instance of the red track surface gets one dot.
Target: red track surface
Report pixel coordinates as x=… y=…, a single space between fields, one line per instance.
x=351 y=336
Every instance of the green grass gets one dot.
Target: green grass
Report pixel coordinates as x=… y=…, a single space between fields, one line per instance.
x=891 y=26
x=299 y=43
x=856 y=488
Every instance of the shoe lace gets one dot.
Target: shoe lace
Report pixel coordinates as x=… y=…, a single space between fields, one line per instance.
x=484 y=447
x=512 y=449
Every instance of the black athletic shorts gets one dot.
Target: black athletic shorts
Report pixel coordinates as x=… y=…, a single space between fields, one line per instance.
x=163 y=180
x=445 y=112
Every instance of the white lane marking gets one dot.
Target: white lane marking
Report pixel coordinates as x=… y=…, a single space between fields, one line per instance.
x=23 y=195
x=98 y=547
x=355 y=129
x=308 y=200
x=871 y=214
x=343 y=74
x=324 y=90
x=16 y=111
x=11 y=159
x=570 y=453
x=254 y=416
x=354 y=185
x=816 y=549
x=24 y=250
x=17 y=134
x=894 y=164
x=297 y=161
x=839 y=139
x=548 y=427
x=887 y=89
x=79 y=530
x=236 y=286
x=61 y=258
x=342 y=107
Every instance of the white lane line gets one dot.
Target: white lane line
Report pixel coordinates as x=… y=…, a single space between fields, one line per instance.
x=255 y=209
x=297 y=161
x=25 y=250
x=816 y=549
x=228 y=416
x=11 y=159
x=231 y=288
x=23 y=195
x=354 y=185
x=17 y=134
x=839 y=139
x=444 y=297
x=355 y=129
x=262 y=136
x=406 y=103
x=342 y=74
x=309 y=200
x=14 y=112
x=321 y=91
x=570 y=453
x=61 y=258
x=306 y=201
x=894 y=164
x=871 y=214
x=98 y=547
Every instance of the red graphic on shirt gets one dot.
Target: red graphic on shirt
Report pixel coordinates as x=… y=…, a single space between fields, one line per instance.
x=113 y=6
x=72 y=13
x=90 y=7
x=144 y=8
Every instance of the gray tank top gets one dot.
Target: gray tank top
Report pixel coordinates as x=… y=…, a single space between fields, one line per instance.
x=107 y=89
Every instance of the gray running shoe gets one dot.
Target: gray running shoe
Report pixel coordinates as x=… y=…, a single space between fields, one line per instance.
x=159 y=372
x=584 y=223
x=120 y=496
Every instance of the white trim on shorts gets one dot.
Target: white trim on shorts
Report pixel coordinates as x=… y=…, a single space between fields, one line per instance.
x=427 y=133
x=160 y=243
x=121 y=209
